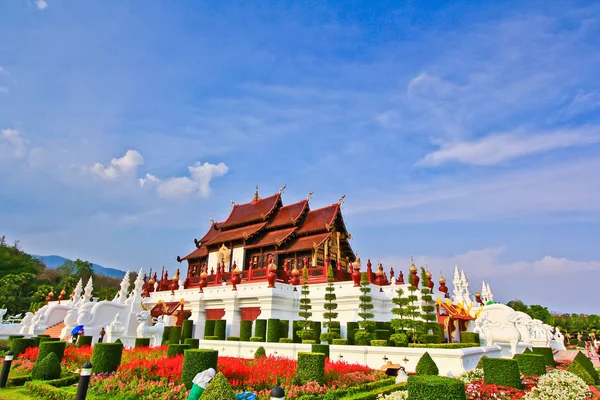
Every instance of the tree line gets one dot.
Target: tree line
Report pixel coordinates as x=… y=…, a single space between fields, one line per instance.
x=566 y=322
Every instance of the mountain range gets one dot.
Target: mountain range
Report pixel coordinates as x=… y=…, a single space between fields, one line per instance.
x=54 y=262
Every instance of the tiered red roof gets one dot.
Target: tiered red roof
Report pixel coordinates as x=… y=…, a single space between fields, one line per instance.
x=273 y=238
x=305 y=243
x=319 y=219
x=288 y=215
x=257 y=210
x=244 y=232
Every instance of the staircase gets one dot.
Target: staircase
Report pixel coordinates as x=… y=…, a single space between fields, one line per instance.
x=54 y=330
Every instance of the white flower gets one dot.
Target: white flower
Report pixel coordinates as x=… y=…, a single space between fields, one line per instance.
x=558 y=384
x=399 y=395
x=472 y=375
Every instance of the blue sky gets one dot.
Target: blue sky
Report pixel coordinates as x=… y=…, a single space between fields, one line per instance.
x=462 y=134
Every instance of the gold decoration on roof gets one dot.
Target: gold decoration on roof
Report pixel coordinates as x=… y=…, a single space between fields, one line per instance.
x=310 y=195
x=341 y=200
x=412 y=268
x=442 y=279
x=282 y=188
x=427 y=273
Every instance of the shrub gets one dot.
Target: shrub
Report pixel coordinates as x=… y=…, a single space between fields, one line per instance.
x=549 y=357
x=382 y=334
x=430 y=339
x=295 y=329
x=11 y=337
x=587 y=364
x=315 y=326
x=211 y=338
x=187 y=329
x=260 y=328
x=528 y=351
x=142 y=342
x=426 y=366
x=177 y=349
x=442 y=345
x=531 y=364
x=558 y=384
x=362 y=337
x=84 y=341
x=257 y=339
x=354 y=390
x=233 y=338
x=273 y=328
x=320 y=348
x=435 y=387
x=48 y=368
x=195 y=361
x=106 y=357
x=245 y=330
x=219 y=389
x=306 y=341
x=342 y=342
x=286 y=340
x=194 y=343
x=480 y=362
x=18 y=380
x=379 y=343
x=209 y=328
x=220 y=329
x=47 y=339
x=578 y=369
x=165 y=336
x=260 y=352
x=311 y=367
x=284 y=328
x=19 y=345
x=469 y=337
x=396 y=392
x=53 y=346
x=399 y=339
x=175 y=335
x=35 y=341
x=502 y=372
x=42 y=390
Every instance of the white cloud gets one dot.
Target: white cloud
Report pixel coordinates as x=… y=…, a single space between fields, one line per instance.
x=125 y=166
x=3 y=89
x=197 y=183
x=41 y=4
x=12 y=142
x=500 y=148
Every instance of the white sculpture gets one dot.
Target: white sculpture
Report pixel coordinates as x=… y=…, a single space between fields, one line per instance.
x=458 y=291
x=497 y=324
x=26 y=323
x=464 y=283
x=87 y=292
x=524 y=325
x=3 y=312
x=77 y=293
x=490 y=294
x=402 y=377
x=116 y=325
x=558 y=341
x=124 y=288
x=484 y=293
x=154 y=332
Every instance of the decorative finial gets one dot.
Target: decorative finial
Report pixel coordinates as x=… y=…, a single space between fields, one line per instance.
x=212 y=221
x=232 y=203
x=442 y=279
x=309 y=195
x=280 y=190
x=341 y=200
x=255 y=194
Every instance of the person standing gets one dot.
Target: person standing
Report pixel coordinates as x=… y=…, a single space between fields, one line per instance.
x=101 y=335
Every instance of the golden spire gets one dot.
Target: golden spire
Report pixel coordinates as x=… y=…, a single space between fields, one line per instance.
x=255 y=194
x=341 y=199
x=232 y=203
x=280 y=190
x=442 y=279
x=63 y=292
x=212 y=221
x=427 y=273
x=412 y=264
x=309 y=195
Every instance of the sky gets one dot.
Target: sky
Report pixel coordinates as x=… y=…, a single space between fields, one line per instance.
x=461 y=133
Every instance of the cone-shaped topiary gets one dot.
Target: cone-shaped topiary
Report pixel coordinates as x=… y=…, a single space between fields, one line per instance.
x=577 y=369
x=195 y=361
x=47 y=369
x=56 y=347
x=106 y=357
x=528 y=351
x=218 y=389
x=260 y=352
x=426 y=366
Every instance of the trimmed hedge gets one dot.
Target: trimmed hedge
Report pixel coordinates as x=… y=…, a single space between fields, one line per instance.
x=219 y=388
x=382 y=334
x=165 y=336
x=586 y=363
x=531 y=364
x=35 y=341
x=577 y=369
x=245 y=330
x=211 y=338
x=343 y=393
x=379 y=343
x=187 y=329
x=47 y=339
x=56 y=347
x=209 y=328
x=220 y=329
x=443 y=345
x=286 y=340
x=18 y=380
x=142 y=342
x=273 y=330
x=502 y=372
x=195 y=361
x=295 y=329
x=399 y=339
x=84 y=341
x=175 y=335
x=430 y=339
x=320 y=348
x=480 y=362
x=307 y=341
x=377 y=393
x=260 y=328
x=194 y=343
x=311 y=367
x=46 y=369
x=469 y=337
x=106 y=357
x=435 y=387
x=233 y=338
x=549 y=357
x=42 y=390
x=351 y=327
x=316 y=327
x=284 y=328
x=342 y=342
x=11 y=337
x=426 y=366
x=19 y=345
x=257 y=339
x=260 y=352
x=177 y=349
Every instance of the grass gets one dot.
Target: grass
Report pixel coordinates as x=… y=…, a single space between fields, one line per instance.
x=15 y=393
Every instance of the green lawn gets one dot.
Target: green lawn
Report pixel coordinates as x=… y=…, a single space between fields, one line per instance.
x=16 y=393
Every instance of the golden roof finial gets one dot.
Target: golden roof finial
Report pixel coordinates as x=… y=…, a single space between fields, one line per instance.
x=442 y=279
x=255 y=194
x=413 y=267
x=309 y=195
x=280 y=190
x=232 y=203
x=212 y=221
x=341 y=200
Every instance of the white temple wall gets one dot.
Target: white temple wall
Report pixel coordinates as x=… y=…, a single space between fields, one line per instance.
x=238 y=257
x=213 y=259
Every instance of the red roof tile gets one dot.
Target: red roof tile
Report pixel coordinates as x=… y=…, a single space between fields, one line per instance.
x=305 y=243
x=234 y=234
x=199 y=252
x=251 y=212
x=273 y=238
x=212 y=232
x=319 y=219
x=288 y=214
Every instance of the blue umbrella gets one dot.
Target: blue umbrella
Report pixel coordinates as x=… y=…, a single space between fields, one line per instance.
x=77 y=329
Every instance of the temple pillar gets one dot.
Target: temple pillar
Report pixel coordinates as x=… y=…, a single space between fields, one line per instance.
x=233 y=316
x=339 y=252
x=198 y=315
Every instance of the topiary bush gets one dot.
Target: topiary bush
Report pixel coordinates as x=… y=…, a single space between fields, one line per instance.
x=577 y=369
x=585 y=363
x=480 y=362
x=531 y=364
x=211 y=338
x=351 y=327
x=527 y=351
x=165 y=336
x=286 y=340
x=245 y=330
x=426 y=366
x=399 y=339
x=220 y=329
x=342 y=342
x=47 y=339
x=11 y=337
x=19 y=345
x=316 y=328
x=35 y=341
x=209 y=328
x=175 y=335
x=187 y=329
x=142 y=342
x=257 y=339
x=548 y=356
x=84 y=341
x=469 y=337
x=284 y=328
x=379 y=343
x=320 y=348
x=56 y=347
x=48 y=368
x=382 y=334
x=260 y=328
x=233 y=338
x=426 y=387
x=502 y=372
x=106 y=357
x=310 y=368
x=195 y=361
x=176 y=349
x=194 y=343
x=219 y=389
x=260 y=352
x=430 y=339
x=295 y=329
x=273 y=330
x=306 y=341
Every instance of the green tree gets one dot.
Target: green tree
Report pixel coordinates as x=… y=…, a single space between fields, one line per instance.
x=83 y=269
x=413 y=311
x=518 y=305
x=366 y=333
x=538 y=312
x=330 y=306
x=305 y=333
x=429 y=323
